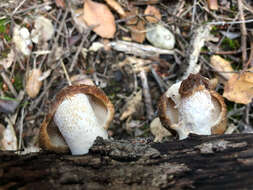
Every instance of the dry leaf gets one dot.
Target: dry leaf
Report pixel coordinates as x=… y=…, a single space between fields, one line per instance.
x=131 y=16
x=7 y=62
x=136 y=26
x=131 y=106
x=137 y=32
x=239 y=88
x=222 y=66
x=99 y=16
x=158 y=130
x=43 y=30
x=213 y=4
x=22 y=40
x=60 y=3
x=137 y=64
x=116 y=6
x=33 y=84
x=152 y=10
x=81 y=79
x=8 y=139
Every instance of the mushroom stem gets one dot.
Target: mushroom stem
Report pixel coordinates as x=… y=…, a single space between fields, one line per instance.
x=78 y=124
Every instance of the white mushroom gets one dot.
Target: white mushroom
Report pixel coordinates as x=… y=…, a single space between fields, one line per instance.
x=79 y=115
x=192 y=107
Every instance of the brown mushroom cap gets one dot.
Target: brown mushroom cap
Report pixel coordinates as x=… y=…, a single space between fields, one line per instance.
x=50 y=137
x=168 y=111
x=221 y=126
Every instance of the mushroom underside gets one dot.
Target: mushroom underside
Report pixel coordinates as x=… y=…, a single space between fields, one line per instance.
x=101 y=112
x=55 y=136
x=171 y=112
x=215 y=117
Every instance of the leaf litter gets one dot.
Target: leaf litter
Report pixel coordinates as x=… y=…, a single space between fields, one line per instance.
x=107 y=42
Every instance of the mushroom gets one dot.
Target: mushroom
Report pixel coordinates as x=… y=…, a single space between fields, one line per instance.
x=191 y=106
x=79 y=114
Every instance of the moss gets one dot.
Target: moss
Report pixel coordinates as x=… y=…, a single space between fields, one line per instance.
x=18 y=85
x=214 y=30
x=1 y=83
x=229 y=44
x=4 y=29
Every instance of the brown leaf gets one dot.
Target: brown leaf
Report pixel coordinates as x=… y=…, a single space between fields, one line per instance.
x=33 y=84
x=99 y=16
x=60 y=3
x=158 y=130
x=222 y=66
x=131 y=16
x=239 y=88
x=131 y=106
x=81 y=79
x=156 y=15
x=116 y=6
x=137 y=32
x=213 y=4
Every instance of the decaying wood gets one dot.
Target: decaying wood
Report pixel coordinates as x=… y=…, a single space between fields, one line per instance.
x=143 y=51
x=199 y=162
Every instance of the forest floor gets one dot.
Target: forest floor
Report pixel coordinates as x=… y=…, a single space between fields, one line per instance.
x=52 y=40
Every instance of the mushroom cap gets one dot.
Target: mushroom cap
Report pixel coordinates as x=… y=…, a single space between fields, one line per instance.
x=167 y=112
x=170 y=101
x=50 y=137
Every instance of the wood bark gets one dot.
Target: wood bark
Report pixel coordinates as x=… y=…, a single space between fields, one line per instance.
x=199 y=162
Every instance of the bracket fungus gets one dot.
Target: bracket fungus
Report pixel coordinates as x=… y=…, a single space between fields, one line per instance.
x=79 y=114
x=191 y=106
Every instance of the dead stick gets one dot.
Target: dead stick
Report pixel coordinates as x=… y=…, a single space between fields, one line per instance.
x=52 y=54
x=79 y=49
x=147 y=96
x=244 y=34
x=9 y=84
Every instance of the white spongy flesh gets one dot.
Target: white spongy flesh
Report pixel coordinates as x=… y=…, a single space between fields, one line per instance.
x=195 y=114
x=78 y=124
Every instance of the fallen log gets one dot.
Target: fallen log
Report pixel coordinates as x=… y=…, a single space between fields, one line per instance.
x=199 y=162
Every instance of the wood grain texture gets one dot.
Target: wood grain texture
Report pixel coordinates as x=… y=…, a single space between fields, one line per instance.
x=199 y=162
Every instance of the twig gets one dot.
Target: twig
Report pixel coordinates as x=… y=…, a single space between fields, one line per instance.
x=233 y=22
x=250 y=60
x=42 y=95
x=20 y=4
x=84 y=38
x=222 y=52
x=247 y=114
x=138 y=49
x=65 y=72
x=193 y=12
x=9 y=84
x=200 y=36
x=50 y=57
x=147 y=96
x=244 y=34
x=21 y=128
x=159 y=81
x=36 y=6
x=228 y=29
